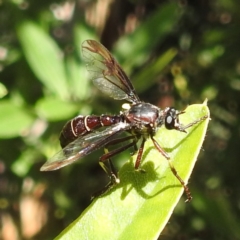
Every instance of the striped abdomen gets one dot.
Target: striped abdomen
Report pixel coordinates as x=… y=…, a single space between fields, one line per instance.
x=82 y=125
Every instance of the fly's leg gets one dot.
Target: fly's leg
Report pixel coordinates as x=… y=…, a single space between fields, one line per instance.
x=139 y=155
x=182 y=128
x=173 y=169
x=106 y=163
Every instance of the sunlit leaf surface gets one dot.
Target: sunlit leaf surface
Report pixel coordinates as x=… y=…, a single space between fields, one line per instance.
x=141 y=205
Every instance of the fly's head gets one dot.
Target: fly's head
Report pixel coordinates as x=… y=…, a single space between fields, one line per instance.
x=171 y=119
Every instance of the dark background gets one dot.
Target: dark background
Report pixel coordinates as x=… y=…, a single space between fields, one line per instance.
x=40 y=91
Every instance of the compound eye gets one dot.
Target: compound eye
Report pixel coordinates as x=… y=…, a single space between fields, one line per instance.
x=169 y=122
x=170 y=119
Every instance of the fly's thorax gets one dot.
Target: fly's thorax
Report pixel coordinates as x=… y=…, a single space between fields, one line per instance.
x=144 y=117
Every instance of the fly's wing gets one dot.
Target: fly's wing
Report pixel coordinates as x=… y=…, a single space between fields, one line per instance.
x=106 y=73
x=83 y=146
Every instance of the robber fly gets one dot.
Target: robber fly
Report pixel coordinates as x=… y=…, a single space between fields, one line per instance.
x=139 y=119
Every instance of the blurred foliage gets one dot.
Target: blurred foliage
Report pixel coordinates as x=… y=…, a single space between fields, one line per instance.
x=177 y=53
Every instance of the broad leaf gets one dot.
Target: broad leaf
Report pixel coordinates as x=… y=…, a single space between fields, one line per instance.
x=141 y=205
x=44 y=57
x=14 y=120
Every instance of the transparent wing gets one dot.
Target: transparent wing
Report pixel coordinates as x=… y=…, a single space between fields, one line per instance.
x=106 y=73
x=83 y=146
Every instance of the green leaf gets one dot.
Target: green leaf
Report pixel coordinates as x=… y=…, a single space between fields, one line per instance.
x=141 y=205
x=3 y=90
x=78 y=79
x=153 y=70
x=24 y=162
x=44 y=57
x=14 y=120
x=54 y=109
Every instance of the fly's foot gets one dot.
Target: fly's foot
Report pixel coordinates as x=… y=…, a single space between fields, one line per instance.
x=114 y=181
x=141 y=170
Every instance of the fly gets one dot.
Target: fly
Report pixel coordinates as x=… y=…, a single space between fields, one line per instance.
x=139 y=119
